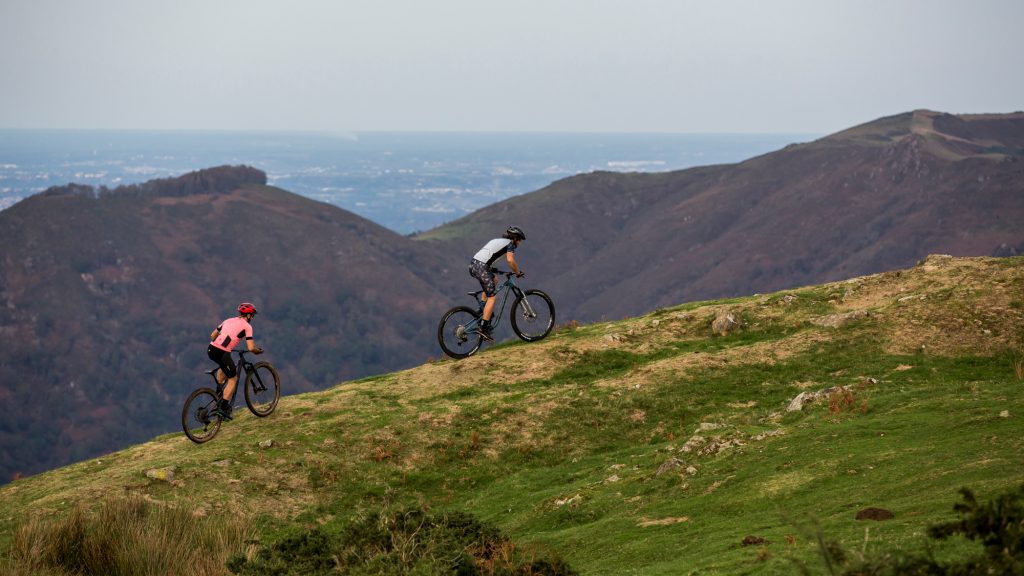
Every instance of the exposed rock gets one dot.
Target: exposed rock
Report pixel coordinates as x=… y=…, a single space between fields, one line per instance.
x=163 y=474
x=768 y=434
x=693 y=443
x=564 y=501
x=705 y=426
x=612 y=478
x=875 y=514
x=670 y=464
x=805 y=398
x=718 y=444
x=839 y=320
x=222 y=463
x=725 y=322
x=267 y=443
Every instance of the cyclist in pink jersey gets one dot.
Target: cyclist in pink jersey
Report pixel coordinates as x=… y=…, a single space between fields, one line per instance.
x=222 y=341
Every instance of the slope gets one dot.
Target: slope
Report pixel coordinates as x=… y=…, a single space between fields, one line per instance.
x=652 y=445
x=876 y=197
x=107 y=298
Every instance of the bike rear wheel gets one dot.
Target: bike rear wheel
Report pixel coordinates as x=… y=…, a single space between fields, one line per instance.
x=262 y=389
x=457 y=332
x=533 y=315
x=199 y=417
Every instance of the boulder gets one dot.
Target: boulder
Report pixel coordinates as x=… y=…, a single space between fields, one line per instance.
x=725 y=322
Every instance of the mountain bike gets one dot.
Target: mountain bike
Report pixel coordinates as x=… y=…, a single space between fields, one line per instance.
x=532 y=315
x=200 y=417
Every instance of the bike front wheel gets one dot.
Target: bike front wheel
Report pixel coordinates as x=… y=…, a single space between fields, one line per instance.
x=199 y=417
x=262 y=389
x=457 y=333
x=533 y=315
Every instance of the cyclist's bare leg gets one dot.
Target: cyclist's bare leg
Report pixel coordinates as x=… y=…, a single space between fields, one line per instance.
x=489 y=307
x=229 y=389
x=219 y=375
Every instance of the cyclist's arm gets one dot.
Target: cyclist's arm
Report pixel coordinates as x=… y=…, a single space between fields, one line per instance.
x=253 y=347
x=214 y=334
x=512 y=261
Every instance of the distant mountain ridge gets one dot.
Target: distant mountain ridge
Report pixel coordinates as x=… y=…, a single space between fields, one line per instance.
x=222 y=179
x=872 y=198
x=106 y=296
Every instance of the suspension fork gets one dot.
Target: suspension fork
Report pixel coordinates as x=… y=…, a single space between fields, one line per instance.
x=526 y=303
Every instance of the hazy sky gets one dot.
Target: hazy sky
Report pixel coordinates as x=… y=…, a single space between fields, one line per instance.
x=517 y=65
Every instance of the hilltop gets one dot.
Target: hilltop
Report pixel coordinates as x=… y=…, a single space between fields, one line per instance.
x=650 y=445
x=876 y=197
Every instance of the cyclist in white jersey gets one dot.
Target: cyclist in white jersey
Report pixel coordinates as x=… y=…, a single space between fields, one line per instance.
x=480 y=268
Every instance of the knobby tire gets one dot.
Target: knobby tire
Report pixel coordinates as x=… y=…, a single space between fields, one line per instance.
x=262 y=402
x=450 y=343
x=532 y=329
x=198 y=418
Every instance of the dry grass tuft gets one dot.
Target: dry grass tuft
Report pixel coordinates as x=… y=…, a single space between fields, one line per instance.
x=128 y=536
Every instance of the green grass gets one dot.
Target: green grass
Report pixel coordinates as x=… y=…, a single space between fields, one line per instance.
x=598 y=460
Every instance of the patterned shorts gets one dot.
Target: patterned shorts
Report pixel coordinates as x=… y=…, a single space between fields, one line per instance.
x=482 y=272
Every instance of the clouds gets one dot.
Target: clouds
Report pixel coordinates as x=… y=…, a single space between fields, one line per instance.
x=560 y=65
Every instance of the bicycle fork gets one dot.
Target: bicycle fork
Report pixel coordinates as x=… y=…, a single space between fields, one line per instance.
x=527 y=308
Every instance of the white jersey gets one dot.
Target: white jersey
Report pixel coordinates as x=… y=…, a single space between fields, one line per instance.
x=494 y=249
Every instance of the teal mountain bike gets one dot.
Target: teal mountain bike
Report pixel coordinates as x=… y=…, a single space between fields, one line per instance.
x=532 y=316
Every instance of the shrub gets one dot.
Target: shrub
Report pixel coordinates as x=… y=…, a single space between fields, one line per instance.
x=404 y=541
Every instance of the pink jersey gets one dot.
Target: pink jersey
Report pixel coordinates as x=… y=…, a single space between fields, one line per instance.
x=232 y=331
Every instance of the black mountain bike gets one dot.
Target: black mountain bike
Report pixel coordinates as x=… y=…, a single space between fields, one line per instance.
x=532 y=315
x=200 y=418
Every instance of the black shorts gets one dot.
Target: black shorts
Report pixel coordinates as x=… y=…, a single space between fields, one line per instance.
x=223 y=359
x=482 y=272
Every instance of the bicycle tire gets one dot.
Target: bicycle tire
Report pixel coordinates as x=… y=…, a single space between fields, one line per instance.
x=262 y=393
x=455 y=340
x=199 y=418
x=539 y=325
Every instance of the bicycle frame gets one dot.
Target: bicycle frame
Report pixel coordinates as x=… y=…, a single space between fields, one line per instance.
x=507 y=287
x=243 y=365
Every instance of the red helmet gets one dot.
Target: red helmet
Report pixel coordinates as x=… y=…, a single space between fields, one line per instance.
x=246 y=308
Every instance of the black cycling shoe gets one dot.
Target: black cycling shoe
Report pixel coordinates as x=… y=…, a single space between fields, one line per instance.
x=485 y=331
x=224 y=410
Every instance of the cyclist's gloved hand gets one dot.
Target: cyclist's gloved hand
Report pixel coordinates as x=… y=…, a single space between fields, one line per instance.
x=257 y=350
x=520 y=274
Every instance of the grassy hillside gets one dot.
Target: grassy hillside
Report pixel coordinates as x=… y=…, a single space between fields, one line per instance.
x=653 y=445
